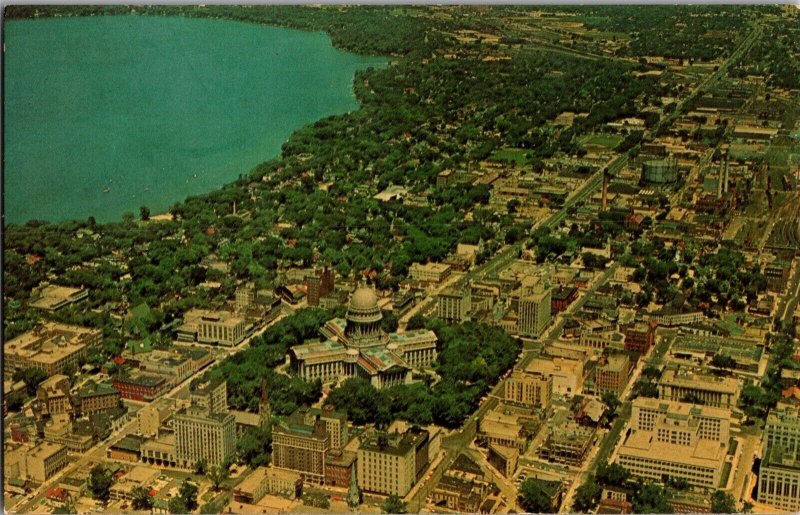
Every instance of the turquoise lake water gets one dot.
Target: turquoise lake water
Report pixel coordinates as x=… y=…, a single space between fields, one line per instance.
x=106 y=114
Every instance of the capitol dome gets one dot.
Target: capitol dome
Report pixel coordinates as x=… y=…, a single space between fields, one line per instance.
x=364 y=299
x=364 y=319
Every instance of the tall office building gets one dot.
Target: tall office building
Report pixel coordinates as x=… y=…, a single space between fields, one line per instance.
x=300 y=442
x=534 y=310
x=211 y=396
x=205 y=430
x=454 y=305
x=392 y=463
x=528 y=389
x=319 y=285
x=779 y=476
x=245 y=296
x=202 y=435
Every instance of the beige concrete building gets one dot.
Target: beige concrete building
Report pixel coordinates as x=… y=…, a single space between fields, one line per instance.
x=429 y=272
x=567 y=374
x=150 y=419
x=51 y=347
x=678 y=440
x=60 y=430
x=568 y=444
x=528 y=389
x=508 y=426
x=44 y=461
x=245 y=296
x=601 y=339
x=454 y=305
x=140 y=476
x=203 y=435
x=779 y=476
x=218 y=327
x=264 y=480
x=211 y=396
x=392 y=463
x=680 y=385
x=534 y=310
x=713 y=423
x=673 y=319
x=51 y=297
x=160 y=451
x=53 y=395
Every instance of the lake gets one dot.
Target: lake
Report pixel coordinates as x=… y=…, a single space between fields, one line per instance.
x=106 y=114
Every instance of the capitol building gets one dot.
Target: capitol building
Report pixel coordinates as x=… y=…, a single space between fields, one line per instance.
x=356 y=346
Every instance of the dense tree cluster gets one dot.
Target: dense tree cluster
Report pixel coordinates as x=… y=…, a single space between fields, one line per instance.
x=471 y=359
x=687 y=32
x=245 y=370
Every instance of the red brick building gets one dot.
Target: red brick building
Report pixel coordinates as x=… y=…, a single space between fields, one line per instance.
x=318 y=286
x=562 y=297
x=338 y=465
x=640 y=336
x=141 y=387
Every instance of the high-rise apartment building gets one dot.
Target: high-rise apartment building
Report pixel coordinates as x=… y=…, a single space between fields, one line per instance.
x=245 y=297
x=612 y=376
x=211 y=396
x=319 y=285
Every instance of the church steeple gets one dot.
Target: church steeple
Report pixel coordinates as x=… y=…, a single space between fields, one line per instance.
x=353 y=493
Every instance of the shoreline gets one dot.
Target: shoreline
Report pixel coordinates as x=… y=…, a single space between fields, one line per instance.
x=165 y=215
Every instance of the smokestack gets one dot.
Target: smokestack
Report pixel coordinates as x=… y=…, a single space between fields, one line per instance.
x=605 y=189
x=719 y=180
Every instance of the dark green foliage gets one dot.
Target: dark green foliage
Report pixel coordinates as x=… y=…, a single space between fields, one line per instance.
x=255 y=447
x=15 y=401
x=587 y=495
x=100 y=481
x=532 y=498
x=689 y=32
x=471 y=358
x=142 y=500
x=612 y=475
x=245 y=370
x=217 y=475
x=201 y=466
x=177 y=505
x=415 y=322
x=650 y=498
x=32 y=377
x=188 y=494
x=645 y=388
x=394 y=504
x=757 y=399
